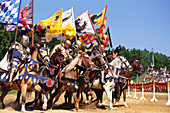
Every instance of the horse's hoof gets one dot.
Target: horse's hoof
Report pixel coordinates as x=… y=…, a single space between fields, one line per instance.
x=112 y=108
x=24 y=111
x=44 y=107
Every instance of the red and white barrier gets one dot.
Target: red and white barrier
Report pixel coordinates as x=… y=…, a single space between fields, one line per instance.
x=135 y=96
x=153 y=98
x=149 y=86
x=168 y=103
x=128 y=95
x=142 y=98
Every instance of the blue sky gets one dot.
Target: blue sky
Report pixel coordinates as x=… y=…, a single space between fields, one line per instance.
x=140 y=24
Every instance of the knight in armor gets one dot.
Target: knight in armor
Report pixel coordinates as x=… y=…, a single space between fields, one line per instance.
x=21 y=56
x=76 y=48
x=117 y=50
x=65 y=50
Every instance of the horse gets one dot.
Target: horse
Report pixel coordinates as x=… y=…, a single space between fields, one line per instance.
x=123 y=79
x=52 y=69
x=71 y=79
x=115 y=67
x=28 y=78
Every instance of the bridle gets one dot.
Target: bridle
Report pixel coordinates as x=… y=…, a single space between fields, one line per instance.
x=138 y=64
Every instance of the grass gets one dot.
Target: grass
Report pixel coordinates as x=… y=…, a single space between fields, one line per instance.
x=10 y=92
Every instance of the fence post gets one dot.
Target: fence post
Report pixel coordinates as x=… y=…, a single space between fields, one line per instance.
x=168 y=103
x=153 y=98
x=142 y=98
x=135 y=96
x=128 y=90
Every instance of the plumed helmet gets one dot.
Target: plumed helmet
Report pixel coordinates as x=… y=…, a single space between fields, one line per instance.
x=24 y=40
x=41 y=41
x=67 y=44
x=79 y=44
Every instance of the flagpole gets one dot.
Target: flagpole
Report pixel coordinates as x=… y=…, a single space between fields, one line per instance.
x=33 y=22
x=73 y=21
x=108 y=31
x=60 y=47
x=10 y=77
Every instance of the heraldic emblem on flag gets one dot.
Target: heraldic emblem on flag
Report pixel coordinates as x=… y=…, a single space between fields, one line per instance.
x=9 y=12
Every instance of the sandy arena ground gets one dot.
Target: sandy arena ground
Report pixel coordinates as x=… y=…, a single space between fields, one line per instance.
x=136 y=105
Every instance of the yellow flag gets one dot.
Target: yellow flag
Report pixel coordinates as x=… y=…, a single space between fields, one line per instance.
x=54 y=23
x=99 y=18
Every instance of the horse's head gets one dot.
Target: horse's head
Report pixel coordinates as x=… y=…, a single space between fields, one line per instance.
x=57 y=59
x=136 y=63
x=125 y=65
x=98 y=60
x=42 y=56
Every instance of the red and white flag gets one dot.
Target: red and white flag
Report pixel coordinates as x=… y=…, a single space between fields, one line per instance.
x=84 y=24
x=26 y=13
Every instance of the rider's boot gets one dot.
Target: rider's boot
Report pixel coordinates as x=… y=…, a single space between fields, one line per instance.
x=11 y=73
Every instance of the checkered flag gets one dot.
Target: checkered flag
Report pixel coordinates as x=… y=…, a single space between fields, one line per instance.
x=9 y=12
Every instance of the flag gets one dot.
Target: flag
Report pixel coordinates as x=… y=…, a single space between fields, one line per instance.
x=101 y=33
x=84 y=24
x=9 y=12
x=54 y=23
x=68 y=24
x=99 y=18
x=107 y=33
x=86 y=38
x=26 y=13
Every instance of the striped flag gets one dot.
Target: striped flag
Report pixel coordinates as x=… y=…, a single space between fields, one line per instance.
x=9 y=12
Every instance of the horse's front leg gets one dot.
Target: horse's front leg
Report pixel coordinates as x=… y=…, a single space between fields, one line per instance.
x=76 y=100
x=5 y=91
x=45 y=101
x=59 y=92
x=37 y=95
x=23 y=93
x=89 y=93
x=124 y=98
x=18 y=98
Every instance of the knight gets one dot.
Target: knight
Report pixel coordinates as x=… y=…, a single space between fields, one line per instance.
x=65 y=50
x=20 y=56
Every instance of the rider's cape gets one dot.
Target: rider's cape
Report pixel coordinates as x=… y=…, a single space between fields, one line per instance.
x=4 y=63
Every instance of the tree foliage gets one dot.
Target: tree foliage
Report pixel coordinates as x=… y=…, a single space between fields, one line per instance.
x=160 y=60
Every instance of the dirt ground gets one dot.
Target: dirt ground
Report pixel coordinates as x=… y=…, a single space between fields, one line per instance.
x=136 y=105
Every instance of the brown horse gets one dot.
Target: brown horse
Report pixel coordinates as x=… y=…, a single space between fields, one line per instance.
x=56 y=62
x=124 y=78
x=72 y=79
x=28 y=77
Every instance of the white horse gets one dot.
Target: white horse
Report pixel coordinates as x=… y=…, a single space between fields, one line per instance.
x=116 y=65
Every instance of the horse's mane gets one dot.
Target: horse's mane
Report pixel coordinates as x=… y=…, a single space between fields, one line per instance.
x=135 y=59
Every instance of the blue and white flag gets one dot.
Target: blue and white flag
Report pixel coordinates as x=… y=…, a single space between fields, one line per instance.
x=9 y=12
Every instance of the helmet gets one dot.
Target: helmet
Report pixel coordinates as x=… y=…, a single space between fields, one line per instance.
x=118 y=49
x=24 y=40
x=41 y=41
x=67 y=44
x=79 y=44
x=101 y=48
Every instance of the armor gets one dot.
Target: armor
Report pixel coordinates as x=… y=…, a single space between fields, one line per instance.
x=118 y=49
x=101 y=48
x=67 y=44
x=79 y=44
x=24 y=41
x=41 y=41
